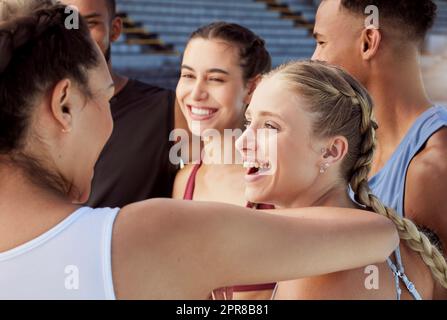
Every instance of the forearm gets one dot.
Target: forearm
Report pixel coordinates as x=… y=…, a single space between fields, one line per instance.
x=315 y=241
x=245 y=246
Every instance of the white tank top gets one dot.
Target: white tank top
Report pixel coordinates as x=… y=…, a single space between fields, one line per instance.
x=69 y=262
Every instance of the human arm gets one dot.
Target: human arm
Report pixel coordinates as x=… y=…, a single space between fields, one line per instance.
x=425 y=191
x=183 y=250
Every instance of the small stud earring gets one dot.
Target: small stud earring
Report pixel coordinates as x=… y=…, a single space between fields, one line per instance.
x=324 y=167
x=66 y=131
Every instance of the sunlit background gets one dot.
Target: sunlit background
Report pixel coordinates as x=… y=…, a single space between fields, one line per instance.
x=156 y=32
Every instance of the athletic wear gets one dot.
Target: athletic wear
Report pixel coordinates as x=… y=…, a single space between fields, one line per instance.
x=72 y=261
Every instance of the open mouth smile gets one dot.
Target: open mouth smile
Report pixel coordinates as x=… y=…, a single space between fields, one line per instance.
x=256 y=169
x=201 y=113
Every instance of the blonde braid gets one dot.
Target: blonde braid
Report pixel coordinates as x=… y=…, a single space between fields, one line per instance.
x=341 y=103
x=408 y=231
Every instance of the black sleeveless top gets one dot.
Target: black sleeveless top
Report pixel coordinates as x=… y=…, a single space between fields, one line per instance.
x=134 y=164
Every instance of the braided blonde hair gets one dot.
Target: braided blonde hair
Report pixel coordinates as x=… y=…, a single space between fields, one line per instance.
x=343 y=107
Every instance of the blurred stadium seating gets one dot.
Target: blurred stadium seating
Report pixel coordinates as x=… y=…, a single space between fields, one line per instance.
x=156 y=32
x=434 y=59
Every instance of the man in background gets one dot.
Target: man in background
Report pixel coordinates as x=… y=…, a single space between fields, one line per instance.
x=134 y=164
x=409 y=169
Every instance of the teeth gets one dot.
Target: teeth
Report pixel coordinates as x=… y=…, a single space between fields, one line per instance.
x=201 y=112
x=257 y=165
x=247 y=165
x=266 y=166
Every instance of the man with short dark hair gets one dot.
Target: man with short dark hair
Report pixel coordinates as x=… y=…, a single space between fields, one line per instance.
x=409 y=170
x=135 y=163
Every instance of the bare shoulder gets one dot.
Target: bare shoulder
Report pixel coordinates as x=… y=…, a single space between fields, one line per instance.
x=151 y=251
x=425 y=190
x=426 y=183
x=136 y=228
x=181 y=180
x=432 y=158
x=426 y=177
x=371 y=282
x=368 y=283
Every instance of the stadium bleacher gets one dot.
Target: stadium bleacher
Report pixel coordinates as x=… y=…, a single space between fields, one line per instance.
x=174 y=20
x=156 y=31
x=434 y=59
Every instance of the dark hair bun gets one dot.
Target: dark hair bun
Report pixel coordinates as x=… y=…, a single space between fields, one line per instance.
x=255 y=59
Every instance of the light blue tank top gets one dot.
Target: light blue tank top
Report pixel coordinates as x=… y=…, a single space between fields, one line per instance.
x=389 y=183
x=71 y=261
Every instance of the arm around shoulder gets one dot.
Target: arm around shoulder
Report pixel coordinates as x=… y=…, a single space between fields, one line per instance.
x=183 y=249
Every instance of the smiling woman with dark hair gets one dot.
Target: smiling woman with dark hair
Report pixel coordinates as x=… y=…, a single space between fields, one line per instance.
x=222 y=64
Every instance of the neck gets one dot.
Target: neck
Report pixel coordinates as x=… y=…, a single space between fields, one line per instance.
x=20 y=196
x=399 y=98
x=119 y=80
x=331 y=196
x=334 y=197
